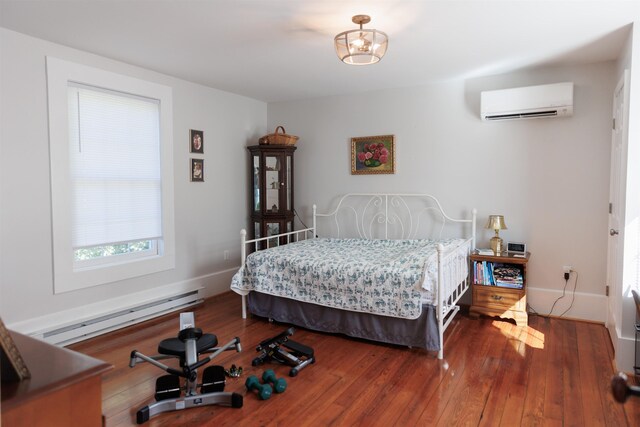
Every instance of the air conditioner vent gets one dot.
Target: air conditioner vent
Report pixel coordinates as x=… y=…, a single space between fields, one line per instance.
x=531 y=102
x=550 y=113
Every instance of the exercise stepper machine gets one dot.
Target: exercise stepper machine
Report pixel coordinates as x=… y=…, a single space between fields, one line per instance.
x=297 y=355
x=187 y=347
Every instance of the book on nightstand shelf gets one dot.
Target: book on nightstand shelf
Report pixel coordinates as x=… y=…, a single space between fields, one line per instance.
x=483 y=273
x=508 y=275
x=484 y=251
x=498 y=274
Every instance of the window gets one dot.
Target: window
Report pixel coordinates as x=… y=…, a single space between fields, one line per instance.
x=111 y=175
x=114 y=148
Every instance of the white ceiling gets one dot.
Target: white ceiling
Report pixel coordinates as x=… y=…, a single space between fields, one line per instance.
x=276 y=50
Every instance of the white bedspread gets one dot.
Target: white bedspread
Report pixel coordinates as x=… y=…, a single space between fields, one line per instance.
x=383 y=277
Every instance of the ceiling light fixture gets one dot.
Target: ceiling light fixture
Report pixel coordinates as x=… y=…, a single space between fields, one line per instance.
x=363 y=46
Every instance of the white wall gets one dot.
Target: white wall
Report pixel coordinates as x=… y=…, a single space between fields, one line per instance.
x=549 y=177
x=207 y=214
x=623 y=334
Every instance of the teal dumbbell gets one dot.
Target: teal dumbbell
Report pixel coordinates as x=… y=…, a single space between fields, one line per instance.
x=264 y=390
x=279 y=384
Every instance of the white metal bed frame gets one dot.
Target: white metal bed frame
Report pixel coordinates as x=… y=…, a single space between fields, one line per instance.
x=374 y=218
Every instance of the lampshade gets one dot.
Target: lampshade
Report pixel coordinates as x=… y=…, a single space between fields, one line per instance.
x=496 y=222
x=363 y=46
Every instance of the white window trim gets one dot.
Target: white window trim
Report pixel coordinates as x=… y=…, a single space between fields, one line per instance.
x=59 y=73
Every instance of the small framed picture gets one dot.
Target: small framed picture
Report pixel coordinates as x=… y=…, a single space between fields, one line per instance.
x=197 y=170
x=196 y=141
x=373 y=155
x=12 y=367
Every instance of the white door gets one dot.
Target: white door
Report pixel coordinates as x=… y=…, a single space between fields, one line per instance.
x=616 y=204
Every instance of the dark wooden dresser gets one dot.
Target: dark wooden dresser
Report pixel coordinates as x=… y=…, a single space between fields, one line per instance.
x=65 y=388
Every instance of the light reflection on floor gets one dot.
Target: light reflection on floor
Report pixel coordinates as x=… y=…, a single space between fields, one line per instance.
x=520 y=337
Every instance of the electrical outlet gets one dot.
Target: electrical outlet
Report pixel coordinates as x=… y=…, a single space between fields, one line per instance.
x=566 y=269
x=226 y=255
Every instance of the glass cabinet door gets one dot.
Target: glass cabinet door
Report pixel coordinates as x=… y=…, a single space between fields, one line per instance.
x=256 y=183
x=273 y=228
x=272 y=177
x=289 y=182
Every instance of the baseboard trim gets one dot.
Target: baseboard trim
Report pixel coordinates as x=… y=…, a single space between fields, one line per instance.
x=624 y=353
x=586 y=306
x=218 y=282
x=207 y=285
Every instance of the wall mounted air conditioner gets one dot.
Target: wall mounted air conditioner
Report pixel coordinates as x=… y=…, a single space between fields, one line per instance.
x=531 y=102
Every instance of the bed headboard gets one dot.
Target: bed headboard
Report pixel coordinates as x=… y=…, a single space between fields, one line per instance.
x=391 y=216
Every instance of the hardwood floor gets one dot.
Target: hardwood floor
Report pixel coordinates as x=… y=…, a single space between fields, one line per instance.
x=552 y=372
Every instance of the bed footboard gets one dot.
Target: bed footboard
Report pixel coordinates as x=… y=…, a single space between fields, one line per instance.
x=450 y=293
x=253 y=245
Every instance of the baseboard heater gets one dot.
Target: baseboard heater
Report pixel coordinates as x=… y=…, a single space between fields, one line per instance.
x=92 y=327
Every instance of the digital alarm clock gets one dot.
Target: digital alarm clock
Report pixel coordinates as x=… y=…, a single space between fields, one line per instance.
x=515 y=247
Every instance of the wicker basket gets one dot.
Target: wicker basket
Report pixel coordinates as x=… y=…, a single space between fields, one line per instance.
x=276 y=138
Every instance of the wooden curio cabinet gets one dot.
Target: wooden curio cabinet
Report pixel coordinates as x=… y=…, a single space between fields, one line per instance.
x=271 y=193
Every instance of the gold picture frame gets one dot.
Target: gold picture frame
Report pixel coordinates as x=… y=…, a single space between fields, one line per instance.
x=12 y=366
x=373 y=155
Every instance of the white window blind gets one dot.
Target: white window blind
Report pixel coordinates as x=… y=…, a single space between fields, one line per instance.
x=114 y=148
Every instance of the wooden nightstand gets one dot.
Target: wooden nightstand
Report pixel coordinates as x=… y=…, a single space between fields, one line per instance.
x=499 y=286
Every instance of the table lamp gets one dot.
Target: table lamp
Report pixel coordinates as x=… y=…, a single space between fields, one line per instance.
x=496 y=222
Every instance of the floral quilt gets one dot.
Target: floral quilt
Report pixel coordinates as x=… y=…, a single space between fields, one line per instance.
x=383 y=277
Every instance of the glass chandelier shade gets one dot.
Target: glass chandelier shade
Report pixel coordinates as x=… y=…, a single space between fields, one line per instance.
x=361 y=46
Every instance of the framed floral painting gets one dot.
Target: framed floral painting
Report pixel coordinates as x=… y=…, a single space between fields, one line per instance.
x=373 y=155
